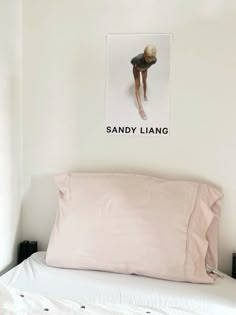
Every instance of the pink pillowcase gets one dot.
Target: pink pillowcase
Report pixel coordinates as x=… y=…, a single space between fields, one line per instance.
x=135 y=224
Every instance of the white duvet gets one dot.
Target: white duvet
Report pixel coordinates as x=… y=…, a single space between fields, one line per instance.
x=63 y=291
x=17 y=302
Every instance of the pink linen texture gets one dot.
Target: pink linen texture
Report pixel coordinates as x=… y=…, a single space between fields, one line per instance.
x=135 y=224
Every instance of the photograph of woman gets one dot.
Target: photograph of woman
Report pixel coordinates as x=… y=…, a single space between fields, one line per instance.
x=141 y=63
x=138 y=84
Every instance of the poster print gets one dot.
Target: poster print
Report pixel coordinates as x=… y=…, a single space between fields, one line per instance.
x=138 y=84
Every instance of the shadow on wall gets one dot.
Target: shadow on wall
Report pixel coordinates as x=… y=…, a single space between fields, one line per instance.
x=39 y=209
x=10 y=219
x=13 y=252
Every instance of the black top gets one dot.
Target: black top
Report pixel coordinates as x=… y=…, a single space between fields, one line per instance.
x=140 y=62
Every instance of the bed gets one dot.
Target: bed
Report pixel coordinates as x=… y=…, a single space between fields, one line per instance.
x=104 y=292
x=125 y=244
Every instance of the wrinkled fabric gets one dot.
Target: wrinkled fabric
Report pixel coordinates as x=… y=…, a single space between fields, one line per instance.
x=135 y=224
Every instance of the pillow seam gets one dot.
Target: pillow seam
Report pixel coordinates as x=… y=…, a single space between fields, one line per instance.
x=187 y=236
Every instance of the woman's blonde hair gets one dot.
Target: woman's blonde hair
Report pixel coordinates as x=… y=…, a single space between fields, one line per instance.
x=150 y=51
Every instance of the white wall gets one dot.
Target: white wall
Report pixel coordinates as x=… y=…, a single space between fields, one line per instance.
x=64 y=47
x=9 y=132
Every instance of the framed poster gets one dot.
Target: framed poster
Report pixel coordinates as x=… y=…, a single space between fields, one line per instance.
x=138 y=84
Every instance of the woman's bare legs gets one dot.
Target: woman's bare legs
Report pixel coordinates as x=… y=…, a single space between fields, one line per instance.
x=144 y=77
x=137 y=93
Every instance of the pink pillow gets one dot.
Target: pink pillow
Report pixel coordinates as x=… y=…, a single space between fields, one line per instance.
x=135 y=224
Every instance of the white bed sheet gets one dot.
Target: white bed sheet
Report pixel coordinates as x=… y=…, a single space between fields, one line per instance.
x=100 y=287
